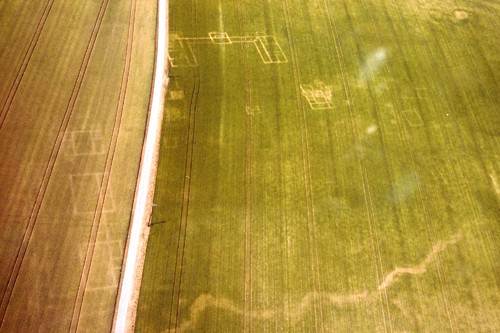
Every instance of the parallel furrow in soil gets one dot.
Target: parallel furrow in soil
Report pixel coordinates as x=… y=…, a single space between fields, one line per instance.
x=249 y=186
x=184 y=209
x=24 y=65
x=362 y=168
x=184 y=218
x=407 y=140
x=247 y=260
x=51 y=163
x=306 y=165
x=106 y=174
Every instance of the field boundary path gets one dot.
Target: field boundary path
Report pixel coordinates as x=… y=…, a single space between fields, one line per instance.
x=135 y=249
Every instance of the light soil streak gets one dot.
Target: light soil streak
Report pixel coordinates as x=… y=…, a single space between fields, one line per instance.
x=128 y=294
x=494 y=183
x=297 y=311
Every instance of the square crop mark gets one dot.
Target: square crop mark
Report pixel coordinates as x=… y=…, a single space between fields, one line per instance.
x=174 y=114
x=180 y=53
x=55 y=299
x=175 y=95
x=85 y=191
x=413 y=118
x=86 y=143
x=318 y=95
x=98 y=306
x=219 y=37
x=252 y=110
x=319 y=103
x=107 y=264
x=175 y=92
x=269 y=50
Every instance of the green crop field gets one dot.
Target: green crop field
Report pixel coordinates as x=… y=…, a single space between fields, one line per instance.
x=328 y=166
x=75 y=81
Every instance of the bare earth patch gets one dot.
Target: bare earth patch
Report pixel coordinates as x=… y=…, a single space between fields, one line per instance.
x=461 y=15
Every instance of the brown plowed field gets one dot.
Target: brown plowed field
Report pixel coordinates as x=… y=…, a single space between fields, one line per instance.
x=74 y=96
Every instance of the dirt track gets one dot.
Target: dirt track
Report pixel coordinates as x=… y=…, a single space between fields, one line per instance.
x=138 y=233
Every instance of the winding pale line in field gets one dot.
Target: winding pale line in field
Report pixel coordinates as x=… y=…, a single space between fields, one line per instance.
x=142 y=204
x=422 y=268
x=205 y=301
